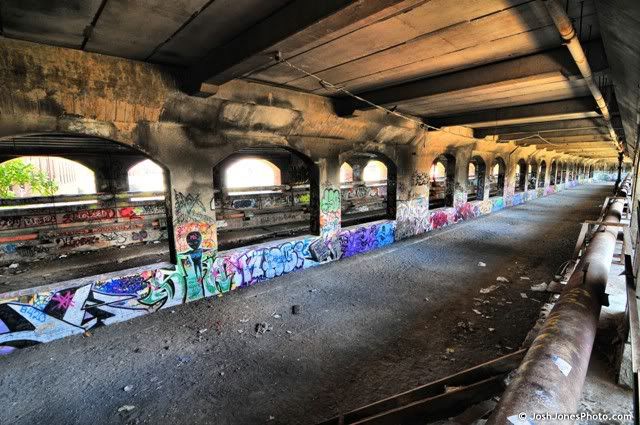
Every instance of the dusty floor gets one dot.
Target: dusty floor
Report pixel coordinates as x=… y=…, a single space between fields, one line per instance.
x=73 y=266
x=370 y=326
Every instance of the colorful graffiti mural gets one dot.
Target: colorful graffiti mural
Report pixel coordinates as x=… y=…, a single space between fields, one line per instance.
x=330 y=212
x=45 y=315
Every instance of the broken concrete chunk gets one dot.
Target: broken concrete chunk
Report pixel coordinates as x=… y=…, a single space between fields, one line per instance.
x=542 y=287
x=502 y=279
x=523 y=295
x=488 y=289
x=481 y=264
x=14 y=265
x=126 y=408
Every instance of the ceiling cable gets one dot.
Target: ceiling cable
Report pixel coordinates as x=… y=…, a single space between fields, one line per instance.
x=326 y=84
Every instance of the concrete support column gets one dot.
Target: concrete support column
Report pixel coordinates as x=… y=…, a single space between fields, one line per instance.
x=463 y=156
x=330 y=195
x=111 y=172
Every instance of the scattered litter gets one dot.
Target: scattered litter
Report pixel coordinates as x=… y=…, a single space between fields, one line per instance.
x=524 y=278
x=201 y=331
x=221 y=373
x=295 y=309
x=481 y=264
x=450 y=350
x=240 y=331
x=562 y=364
x=312 y=290
x=492 y=329
x=539 y=288
x=271 y=418
x=172 y=311
x=128 y=388
x=14 y=265
x=502 y=279
x=244 y=320
x=86 y=334
x=263 y=327
x=476 y=311
x=289 y=332
x=155 y=242
x=426 y=299
x=488 y=289
x=63 y=256
x=523 y=295
x=122 y=246
x=126 y=408
x=276 y=316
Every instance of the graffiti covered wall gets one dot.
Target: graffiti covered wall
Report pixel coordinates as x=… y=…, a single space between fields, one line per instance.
x=37 y=316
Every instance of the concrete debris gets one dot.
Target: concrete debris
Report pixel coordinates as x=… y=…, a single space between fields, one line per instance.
x=502 y=279
x=123 y=246
x=492 y=329
x=295 y=309
x=201 y=331
x=523 y=295
x=539 y=288
x=524 y=278
x=489 y=289
x=14 y=265
x=289 y=332
x=126 y=408
x=481 y=264
x=554 y=287
x=262 y=328
x=276 y=316
x=240 y=331
x=477 y=311
x=128 y=388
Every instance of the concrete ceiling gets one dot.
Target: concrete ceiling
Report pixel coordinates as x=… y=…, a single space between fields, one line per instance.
x=498 y=66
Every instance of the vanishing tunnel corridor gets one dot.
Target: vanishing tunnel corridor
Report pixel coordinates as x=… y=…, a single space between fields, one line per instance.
x=369 y=326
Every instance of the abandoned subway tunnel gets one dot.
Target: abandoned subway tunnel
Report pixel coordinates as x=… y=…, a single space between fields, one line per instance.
x=292 y=212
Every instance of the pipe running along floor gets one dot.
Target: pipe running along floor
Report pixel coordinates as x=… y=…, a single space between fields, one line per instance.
x=370 y=326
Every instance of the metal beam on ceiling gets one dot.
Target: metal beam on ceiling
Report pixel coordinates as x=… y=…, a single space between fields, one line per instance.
x=578 y=108
x=552 y=62
x=286 y=30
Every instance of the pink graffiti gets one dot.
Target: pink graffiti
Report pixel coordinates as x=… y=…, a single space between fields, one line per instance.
x=64 y=301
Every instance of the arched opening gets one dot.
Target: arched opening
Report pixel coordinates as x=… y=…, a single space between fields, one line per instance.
x=496 y=180
x=264 y=193
x=521 y=176
x=475 y=184
x=543 y=173
x=78 y=202
x=147 y=177
x=442 y=181
x=33 y=176
x=533 y=175
x=552 y=173
x=346 y=173
x=369 y=194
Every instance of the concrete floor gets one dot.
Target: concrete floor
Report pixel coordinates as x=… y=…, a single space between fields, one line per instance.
x=370 y=326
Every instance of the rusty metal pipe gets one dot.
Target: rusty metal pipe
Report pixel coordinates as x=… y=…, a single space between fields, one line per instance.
x=568 y=34
x=552 y=374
